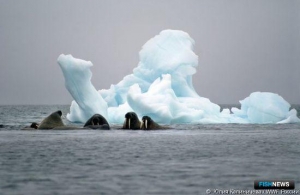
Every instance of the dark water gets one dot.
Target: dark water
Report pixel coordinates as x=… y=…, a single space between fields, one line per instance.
x=188 y=159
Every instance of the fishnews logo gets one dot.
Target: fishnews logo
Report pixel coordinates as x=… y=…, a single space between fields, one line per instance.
x=274 y=184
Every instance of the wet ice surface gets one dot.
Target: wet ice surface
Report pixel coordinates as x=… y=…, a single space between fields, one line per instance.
x=185 y=160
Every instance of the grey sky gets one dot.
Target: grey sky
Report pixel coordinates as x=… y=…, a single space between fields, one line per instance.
x=243 y=46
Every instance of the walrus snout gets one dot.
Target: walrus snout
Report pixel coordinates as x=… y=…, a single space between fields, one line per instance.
x=145 y=122
x=128 y=117
x=95 y=121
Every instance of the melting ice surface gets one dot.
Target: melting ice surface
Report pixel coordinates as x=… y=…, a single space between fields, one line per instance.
x=161 y=87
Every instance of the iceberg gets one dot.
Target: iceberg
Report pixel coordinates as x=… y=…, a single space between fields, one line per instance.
x=161 y=87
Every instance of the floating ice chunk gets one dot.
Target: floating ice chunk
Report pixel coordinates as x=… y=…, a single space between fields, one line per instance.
x=78 y=82
x=263 y=107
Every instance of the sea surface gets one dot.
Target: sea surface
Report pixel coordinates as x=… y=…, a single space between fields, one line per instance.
x=188 y=159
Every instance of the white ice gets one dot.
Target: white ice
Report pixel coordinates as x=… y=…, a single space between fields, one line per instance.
x=266 y=108
x=161 y=87
x=87 y=101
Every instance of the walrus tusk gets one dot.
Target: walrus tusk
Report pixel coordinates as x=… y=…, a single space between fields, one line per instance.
x=146 y=123
x=142 y=123
x=129 y=124
x=92 y=123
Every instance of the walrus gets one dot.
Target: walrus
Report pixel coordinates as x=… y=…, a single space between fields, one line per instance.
x=97 y=121
x=149 y=124
x=52 y=121
x=33 y=126
x=131 y=121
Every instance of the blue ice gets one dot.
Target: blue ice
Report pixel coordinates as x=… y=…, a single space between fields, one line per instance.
x=161 y=87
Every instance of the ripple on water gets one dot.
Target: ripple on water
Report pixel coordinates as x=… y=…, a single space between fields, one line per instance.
x=185 y=160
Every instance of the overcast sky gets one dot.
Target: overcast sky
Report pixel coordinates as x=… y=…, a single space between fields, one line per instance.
x=243 y=46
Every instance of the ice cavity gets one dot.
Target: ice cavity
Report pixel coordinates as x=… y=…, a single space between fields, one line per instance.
x=161 y=87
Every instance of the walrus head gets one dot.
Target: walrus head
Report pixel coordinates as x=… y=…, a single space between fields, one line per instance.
x=148 y=123
x=34 y=125
x=145 y=122
x=131 y=121
x=96 y=120
x=59 y=113
x=52 y=121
